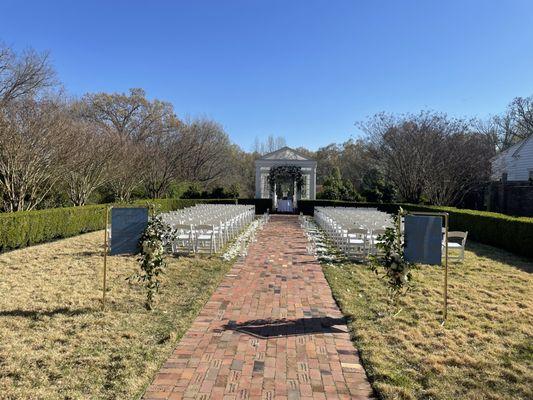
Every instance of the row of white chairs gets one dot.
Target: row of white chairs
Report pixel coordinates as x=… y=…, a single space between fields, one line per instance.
x=354 y=231
x=206 y=228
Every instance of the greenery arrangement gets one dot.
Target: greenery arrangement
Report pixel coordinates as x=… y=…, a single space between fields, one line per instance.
x=151 y=259
x=397 y=271
x=286 y=174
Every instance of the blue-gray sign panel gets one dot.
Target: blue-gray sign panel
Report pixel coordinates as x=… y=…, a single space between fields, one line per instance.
x=127 y=227
x=423 y=239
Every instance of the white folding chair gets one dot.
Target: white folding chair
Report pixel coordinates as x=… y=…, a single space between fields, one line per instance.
x=183 y=238
x=356 y=242
x=205 y=239
x=457 y=245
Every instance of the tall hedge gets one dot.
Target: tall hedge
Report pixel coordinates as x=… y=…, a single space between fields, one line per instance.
x=26 y=228
x=514 y=234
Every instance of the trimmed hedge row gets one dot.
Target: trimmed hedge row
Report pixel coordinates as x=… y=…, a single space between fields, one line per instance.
x=26 y=228
x=514 y=234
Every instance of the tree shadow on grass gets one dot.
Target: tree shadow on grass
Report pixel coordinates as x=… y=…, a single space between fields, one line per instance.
x=37 y=314
x=266 y=328
x=501 y=256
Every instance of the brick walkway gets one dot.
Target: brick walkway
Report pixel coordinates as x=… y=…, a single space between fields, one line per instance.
x=271 y=331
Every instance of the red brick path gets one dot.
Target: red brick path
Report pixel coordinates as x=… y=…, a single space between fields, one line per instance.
x=271 y=331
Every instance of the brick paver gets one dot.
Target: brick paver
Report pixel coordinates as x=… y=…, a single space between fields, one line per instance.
x=270 y=331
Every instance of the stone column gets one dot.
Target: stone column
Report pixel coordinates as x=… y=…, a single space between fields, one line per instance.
x=258 y=183
x=312 y=189
x=295 y=195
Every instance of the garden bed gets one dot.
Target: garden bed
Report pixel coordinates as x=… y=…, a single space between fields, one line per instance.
x=55 y=341
x=483 y=351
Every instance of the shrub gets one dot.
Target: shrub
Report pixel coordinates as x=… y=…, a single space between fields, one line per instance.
x=336 y=188
x=192 y=192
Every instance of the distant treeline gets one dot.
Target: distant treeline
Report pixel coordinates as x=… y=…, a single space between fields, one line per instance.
x=56 y=150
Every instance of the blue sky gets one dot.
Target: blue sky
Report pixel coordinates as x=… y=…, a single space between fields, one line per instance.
x=305 y=70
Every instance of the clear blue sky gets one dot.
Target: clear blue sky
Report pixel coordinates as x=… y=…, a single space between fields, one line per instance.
x=305 y=70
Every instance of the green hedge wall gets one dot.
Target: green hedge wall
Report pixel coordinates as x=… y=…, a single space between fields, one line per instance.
x=514 y=234
x=26 y=228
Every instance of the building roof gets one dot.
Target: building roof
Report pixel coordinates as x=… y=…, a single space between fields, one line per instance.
x=514 y=150
x=285 y=153
x=520 y=146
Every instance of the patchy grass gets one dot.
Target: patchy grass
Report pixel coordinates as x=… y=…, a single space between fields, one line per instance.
x=55 y=343
x=484 y=350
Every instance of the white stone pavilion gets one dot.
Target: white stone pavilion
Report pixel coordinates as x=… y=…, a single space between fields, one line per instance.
x=285 y=195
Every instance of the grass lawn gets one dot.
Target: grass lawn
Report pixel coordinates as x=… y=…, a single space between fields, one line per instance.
x=485 y=349
x=55 y=343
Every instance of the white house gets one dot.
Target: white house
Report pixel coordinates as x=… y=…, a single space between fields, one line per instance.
x=515 y=163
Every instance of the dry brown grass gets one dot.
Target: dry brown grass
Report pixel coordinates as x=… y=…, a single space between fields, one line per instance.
x=485 y=349
x=55 y=343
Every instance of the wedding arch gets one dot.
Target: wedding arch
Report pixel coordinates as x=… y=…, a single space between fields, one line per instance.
x=285 y=176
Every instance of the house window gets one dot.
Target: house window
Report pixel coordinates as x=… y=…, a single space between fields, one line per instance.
x=504 y=177
x=531 y=174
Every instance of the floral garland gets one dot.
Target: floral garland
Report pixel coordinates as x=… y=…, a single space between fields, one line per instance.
x=151 y=259
x=285 y=173
x=397 y=270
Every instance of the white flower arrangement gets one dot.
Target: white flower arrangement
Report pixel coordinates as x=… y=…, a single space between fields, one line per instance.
x=239 y=248
x=317 y=243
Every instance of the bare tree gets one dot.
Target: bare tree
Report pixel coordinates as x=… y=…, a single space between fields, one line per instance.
x=162 y=157
x=127 y=116
x=127 y=168
x=355 y=161
x=514 y=125
x=461 y=164
x=204 y=150
x=520 y=112
x=327 y=158
x=271 y=144
x=92 y=154
x=429 y=155
x=23 y=75
x=33 y=148
x=239 y=171
x=137 y=128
